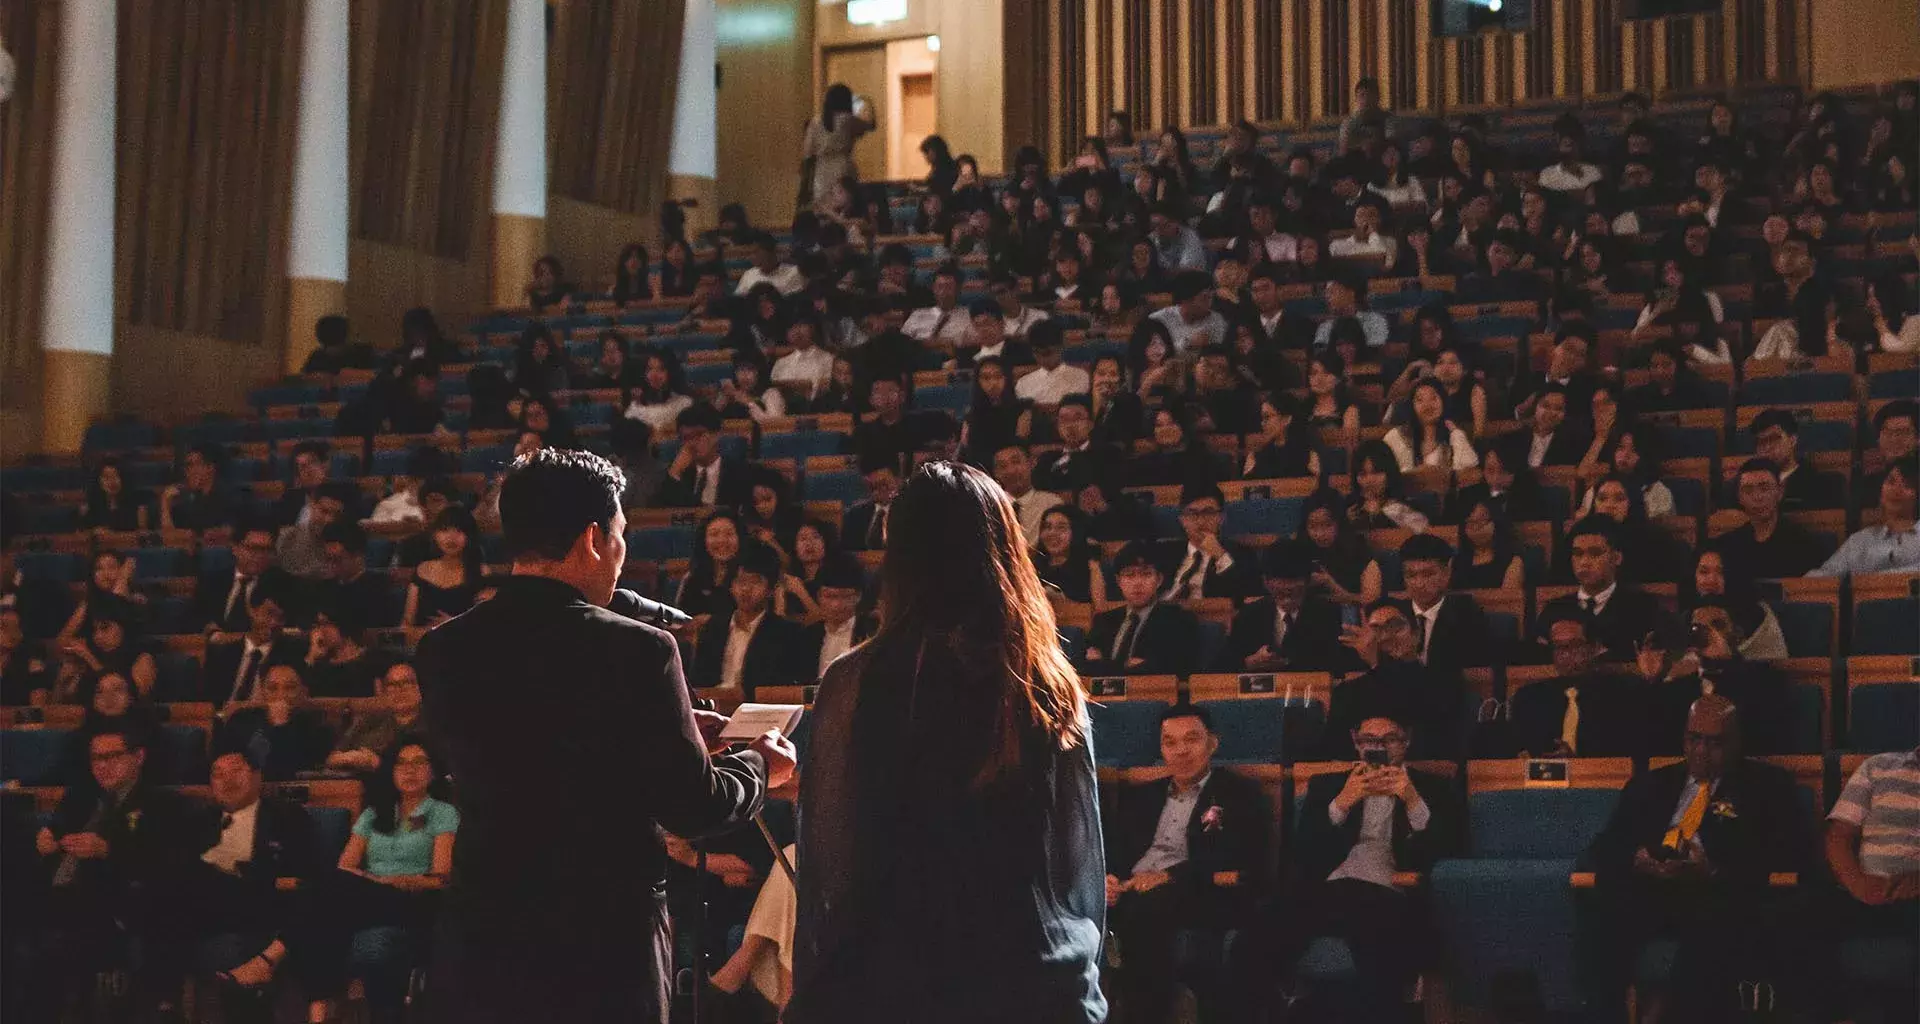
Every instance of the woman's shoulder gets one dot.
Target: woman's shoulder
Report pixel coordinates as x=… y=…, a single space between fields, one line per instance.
x=440 y=815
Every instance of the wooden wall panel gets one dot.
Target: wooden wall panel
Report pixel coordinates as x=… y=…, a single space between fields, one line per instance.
x=32 y=32
x=208 y=98
x=613 y=69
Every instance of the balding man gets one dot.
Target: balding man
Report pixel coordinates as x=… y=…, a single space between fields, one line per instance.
x=1687 y=856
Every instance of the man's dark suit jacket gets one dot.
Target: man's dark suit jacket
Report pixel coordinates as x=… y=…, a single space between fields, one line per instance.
x=1320 y=846
x=1626 y=620
x=1239 y=582
x=1615 y=713
x=1169 y=643
x=774 y=655
x=1460 y=636
x=1810 y=488
x=1236 y=841
x=1754 y=826
x=679 y=492
x=1792 y=550
x=1121 y=421
x=1568 y=447
x=223 y=664
x=556 y=909
x=855 y=526
x=151 y=836
x=285 y=843
x=210 y=599
x=1429 y=703
x=1064 y=472
x=814 y=637
x=1312 y=643
x=1763 y=695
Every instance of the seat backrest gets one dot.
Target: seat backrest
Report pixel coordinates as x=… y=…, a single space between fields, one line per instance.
x=1537 y=823
x=1126 y=734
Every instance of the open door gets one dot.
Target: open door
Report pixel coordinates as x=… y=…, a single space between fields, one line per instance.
x=864 y=70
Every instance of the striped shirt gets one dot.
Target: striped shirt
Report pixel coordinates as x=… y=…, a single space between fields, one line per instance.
x=1883 y=801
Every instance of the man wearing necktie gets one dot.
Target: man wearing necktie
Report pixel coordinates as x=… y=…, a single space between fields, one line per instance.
x=1581 y=710
x=1449 y=629
x=234 y=667
x=1290 y=630
x=865 y=525
x=222 y=598
x=1622 y=615
x=1145 y=636
x=1687 y=855
x=1208 y=566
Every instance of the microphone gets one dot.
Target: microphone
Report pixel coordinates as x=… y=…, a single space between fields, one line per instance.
x=641 y=609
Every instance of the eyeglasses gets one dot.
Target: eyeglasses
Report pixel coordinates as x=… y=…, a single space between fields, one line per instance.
x=1700 y=739
x=413 y=762
x=1398 y=739
x=1199 y=513
x=108 y=756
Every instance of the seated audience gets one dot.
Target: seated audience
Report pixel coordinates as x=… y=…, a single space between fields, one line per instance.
x=1013 y=471
x=1206 y=565
x=1895 y=437
x=1892 y=546
x=112 y=706
x=751 y=647
x=1717 y=578
x=660 y=395
x=238 y=663
x=300 y=548
x=842 y=626
x=1489 y=557
x=1291 y=629
x=1376 y=489
x=1769 y=546
x=450 y=584
x=701 y=476
x=1067 y=560
x=113 y=644
x=1583 y=709
x=1146 y=636
x=288 y=735
x=196 y=502
x=1623 y=616
x=1873 y=850
x=337 y=663
x=372 y=732
x=1393 y=683
x=1346 y=299
x=1450 y=631
x=1053 y=380
x=110 y=504
x=1776 y=438
x=1709 y=661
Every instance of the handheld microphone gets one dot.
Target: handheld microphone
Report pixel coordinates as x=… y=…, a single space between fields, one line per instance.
x=651 y=612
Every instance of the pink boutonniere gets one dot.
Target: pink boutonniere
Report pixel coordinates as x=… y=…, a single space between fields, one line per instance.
x=1212 y=819
x=1723 y=809
x=133 y=820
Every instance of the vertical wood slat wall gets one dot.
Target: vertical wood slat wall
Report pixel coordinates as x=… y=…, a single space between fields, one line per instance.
x=32 y=32
x=612 y=73
x=1211 y=62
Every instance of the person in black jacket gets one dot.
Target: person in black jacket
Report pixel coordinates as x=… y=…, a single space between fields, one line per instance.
x=842 y=626
x=1205 y=565
x=1355 y=830
x=1623 y=616
x=278 y=726
x=1776 y=437
x=1610 y=711
x=700 y=475
x=1080 y=459
x=541 y=920
x=773 y=652
x=1449 y=630
x=1429 y=701
x=221 y=600
x=1687 y=855
x=1148 y=636
x=1289 y=630
x=236 y=665
x=1184 y=853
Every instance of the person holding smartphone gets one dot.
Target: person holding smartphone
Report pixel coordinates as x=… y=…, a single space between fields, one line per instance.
x=1357 y=830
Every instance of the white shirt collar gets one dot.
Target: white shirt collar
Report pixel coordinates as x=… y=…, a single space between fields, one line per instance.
x=1600 y=600
x=1431 y=612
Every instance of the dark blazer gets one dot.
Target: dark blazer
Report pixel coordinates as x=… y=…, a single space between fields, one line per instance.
x=285 y=750
x=1319 y=846
x=1625 y=621
x=678 y=492
x=1755 y=825
x=1239 y=582
x=1460 y=638
x=1763 y=695
x=1236 y=841
x=1065 y=472
x=223 y=664
x=1121 y=420
x=1168 y=643
x=776 y=656
x=1614 y=716
x=1809 y=488
x=151 y=836
x=1568 y=447
x=210 y=599
x=1792 y=550
x=855 y=526
x=556 y=909
x=1430 y=703
x=285 y=844
x=814 y=637
x=1312 y=642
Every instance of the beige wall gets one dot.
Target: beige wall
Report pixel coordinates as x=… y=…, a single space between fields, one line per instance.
x=766 y=63
x=384 y=281
x=971 y=86
x=171 y=375
x=1864 y=41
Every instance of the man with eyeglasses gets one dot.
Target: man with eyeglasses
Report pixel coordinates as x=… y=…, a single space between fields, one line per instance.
x=1687 y=855
x=111 y=844
x=1356 y=830
x=1622 y=614
x=1206 y=565
x=221 y=599
x=1428 y=700
x=1146 y=636
x=1579 y=711
x=1769 y=546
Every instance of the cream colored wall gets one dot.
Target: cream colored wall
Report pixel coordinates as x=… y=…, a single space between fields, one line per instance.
x=971 y=86
x=905 y=58
x=1857 y=42
x=766 y=67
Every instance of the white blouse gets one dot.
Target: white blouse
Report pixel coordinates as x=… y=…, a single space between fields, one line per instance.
x=1457 y=453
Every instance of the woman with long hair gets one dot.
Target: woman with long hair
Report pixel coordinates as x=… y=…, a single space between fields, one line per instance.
x=1714 y=579
x=448 y=585
x=679 y=269
x=1377 y=492
x=958 y=838
x=632 y=277
x=1066 y=558
x=1342 y=564
x=942 y=169
x=111 y=504
x=660 y=393
x=1286 y=445
x=1489 y=558
x=828 y=146
x=1429 y=438
x=706 y=589
x=997 y=417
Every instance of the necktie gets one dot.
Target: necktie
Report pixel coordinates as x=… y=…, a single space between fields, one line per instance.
x=1586 y=603
x=70 y=865
x=940 y=325
x=1193 y=582
x=1690 y=818
x=1422 y=633
x=1570 y=722
x=700 y=485
x=877 y=528
x=1123 y=644
x=243 y=682
x=226 y=822
x=1280 y=634
x=236 y=596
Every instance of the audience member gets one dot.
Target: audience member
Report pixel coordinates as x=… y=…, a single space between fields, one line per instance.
x=1146 y=636
x=1776 y=438
x=1583 y=709
x=1013 y=471
x=1769 y=546
x=372 y=732
x=1623 y=616
x=751 y=647
x=196 y=502
x=1291 y=629
x=278 y=725
x=1394 y=684
x=238 y=663
x=1892 y=546
x=450 y=584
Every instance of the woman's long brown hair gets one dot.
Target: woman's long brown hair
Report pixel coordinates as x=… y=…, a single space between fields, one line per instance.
x=957 y=569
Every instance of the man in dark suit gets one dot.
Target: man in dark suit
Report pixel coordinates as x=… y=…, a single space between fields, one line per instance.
x=1687 y=855
x=1502 y=280
x=1769 y=546
x=1184 y=853
x=752 y=647
x=1776 y=438
x=248 y=841
x=236 y=665
x=1080 y=460
x=44 y=605
x=1623 y=616
x=312 y=467
x=540 y=922
x=1450 y=630
x=864 y=528
x=112 y=847
x=1356 y=829
x=1430 y=702
x=700 y=477
x=1581 y=710
x=1148 y=636
x=1710 y=662
x=841 y=626
x=1553 y=439
x=1288 y=630
x=349 y=583
x=220 y=599
x=1566 y=369
x=1204 y=564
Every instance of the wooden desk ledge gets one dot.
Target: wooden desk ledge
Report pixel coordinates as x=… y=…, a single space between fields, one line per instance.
x=1778 y=880
x=1408 y=879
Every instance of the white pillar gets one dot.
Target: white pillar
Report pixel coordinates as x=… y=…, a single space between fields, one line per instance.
x=520 y=150
x=695 y=147
x=78 y=311
x=317 y=239
x=76 y=318
x=317 y=244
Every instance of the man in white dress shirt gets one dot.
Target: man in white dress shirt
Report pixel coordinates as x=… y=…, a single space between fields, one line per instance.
x=808 y=368
x=946 y=321
x=1053 y=379
x=841 y=626
x=767 y=269
x=1013 y=470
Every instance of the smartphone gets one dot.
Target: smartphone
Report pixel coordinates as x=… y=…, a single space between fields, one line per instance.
x=1375 y=758
x=1698 y=635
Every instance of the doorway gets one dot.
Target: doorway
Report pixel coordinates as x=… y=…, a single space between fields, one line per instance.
x=901 y=79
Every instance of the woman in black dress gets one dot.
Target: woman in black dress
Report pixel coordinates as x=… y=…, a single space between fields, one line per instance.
x=1067 y=560
x=1285 y=446
x=959 y=838
x=1343 y=566
x=111 y=504
x=706 y=590
x=1488 y=558
x=448 y=585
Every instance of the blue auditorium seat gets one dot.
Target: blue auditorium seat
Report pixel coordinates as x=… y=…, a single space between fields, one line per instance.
x=1263 y=515
x=183 y=749
x=841 y=485
x=216 y=560
x=1886 y=626
x=1505 y=824
x=1126 y=734
x=1498 y=916
x=1792 y=388
x=161 y=563
x=1884 y=717
x=661 y=543
x=803 y=444
x=52 y=566
x=1253 y=731
x=34 y=757
x=1807 y=626
x=954 y=398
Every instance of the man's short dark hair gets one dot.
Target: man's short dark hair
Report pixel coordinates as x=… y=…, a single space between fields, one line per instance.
x=1425 y=547
x=1770 y=418
x=759 y=560
x=349 y=617
x=1187 y=709
x=947 y=269
x=133 y=739
x=317 y=449
x=1568 y=612
x=347 y=534
x=1595 y=525
x=331 y=330
x=1189 y=284
x=1079 y=399
x=701 y=415
x=1201 y=491
x=1284 y=561
x=551 y=496
x=1767 y=466
x=1045 y=334
x=1391 y=604
x=339 y=490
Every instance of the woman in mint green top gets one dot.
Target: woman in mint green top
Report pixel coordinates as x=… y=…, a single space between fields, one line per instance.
x=389 y=877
